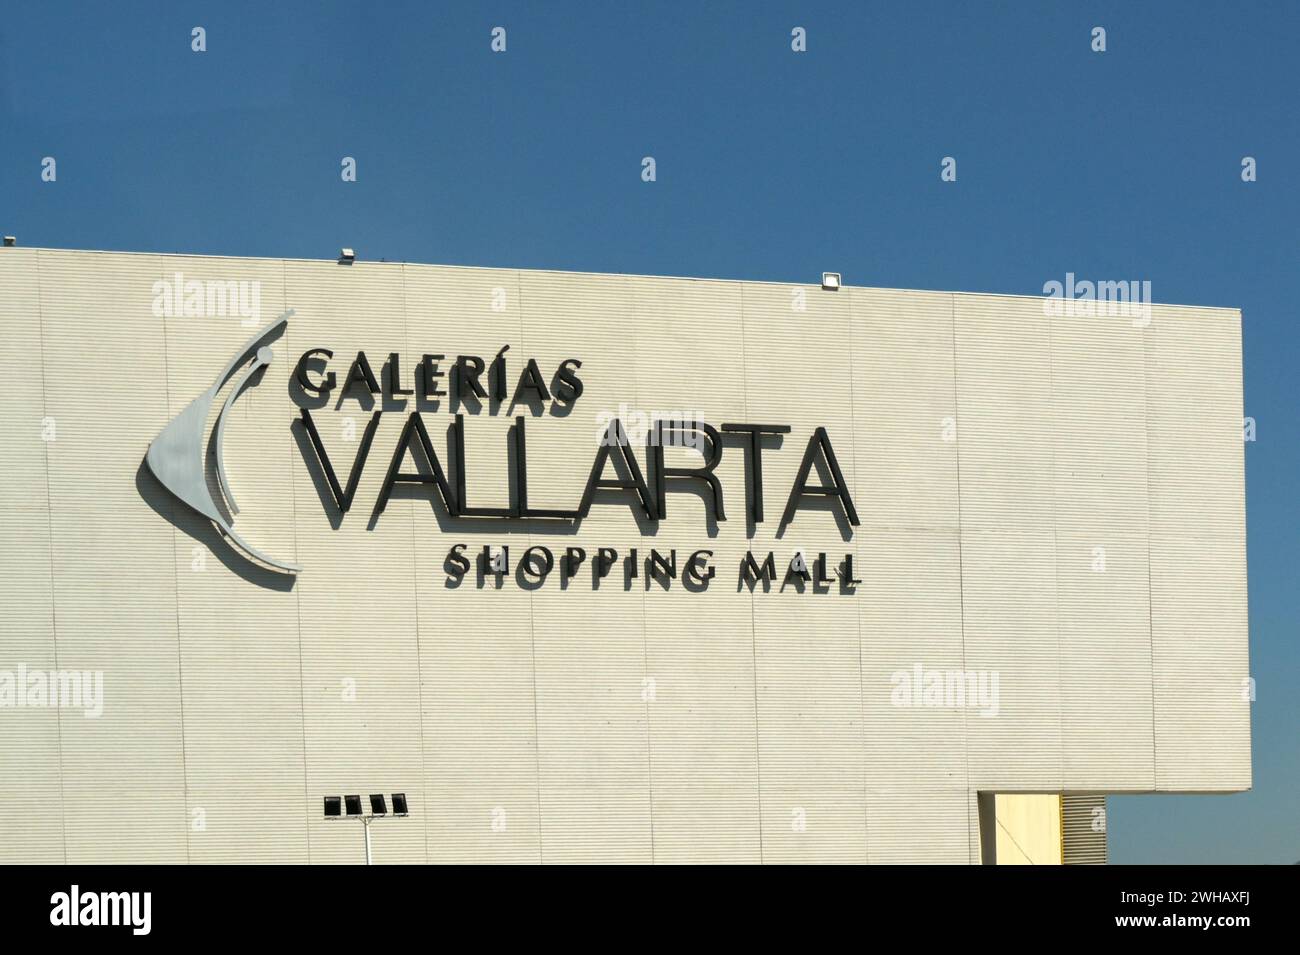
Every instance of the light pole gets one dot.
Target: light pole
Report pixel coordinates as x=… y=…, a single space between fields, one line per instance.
x=335 y=806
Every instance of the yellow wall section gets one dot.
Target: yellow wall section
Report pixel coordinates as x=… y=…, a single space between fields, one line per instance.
x=1029 y=829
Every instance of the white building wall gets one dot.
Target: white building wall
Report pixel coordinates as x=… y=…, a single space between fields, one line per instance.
x=514 y=719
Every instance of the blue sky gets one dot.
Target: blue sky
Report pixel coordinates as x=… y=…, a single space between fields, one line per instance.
x=771 y=165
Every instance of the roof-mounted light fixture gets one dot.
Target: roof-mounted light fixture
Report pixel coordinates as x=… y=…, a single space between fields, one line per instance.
x=831 y=281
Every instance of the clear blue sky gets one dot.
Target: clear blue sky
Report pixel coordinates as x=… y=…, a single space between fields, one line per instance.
x=771 y=165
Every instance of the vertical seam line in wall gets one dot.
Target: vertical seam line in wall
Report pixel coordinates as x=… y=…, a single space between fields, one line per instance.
x=415 y=595
x=753 y=630
x=1151 y=630
x=176 y=594
x=1056 y=550
x=645 y=594
x=49 y=522
x=297 y=591
x=857 y=611
x=532 y=629
x=961 y=578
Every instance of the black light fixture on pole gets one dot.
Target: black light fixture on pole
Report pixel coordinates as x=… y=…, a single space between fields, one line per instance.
x=349 y=807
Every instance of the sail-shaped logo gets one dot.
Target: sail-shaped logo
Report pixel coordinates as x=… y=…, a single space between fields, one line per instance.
x=176 y=456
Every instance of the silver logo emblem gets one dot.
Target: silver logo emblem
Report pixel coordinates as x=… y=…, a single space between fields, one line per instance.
x=176 y=456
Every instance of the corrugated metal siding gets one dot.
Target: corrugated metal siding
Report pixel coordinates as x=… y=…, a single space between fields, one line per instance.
x=1198 y=551
x=515 y=720
x=1083 y=829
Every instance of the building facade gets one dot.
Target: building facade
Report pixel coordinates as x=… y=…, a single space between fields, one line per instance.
x=977 y=545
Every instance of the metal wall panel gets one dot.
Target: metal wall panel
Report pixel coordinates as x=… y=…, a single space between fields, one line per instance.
x=904 y=409
x=31 y=802
x=1198 y=550
x=1083 y=829
x=22 y=387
